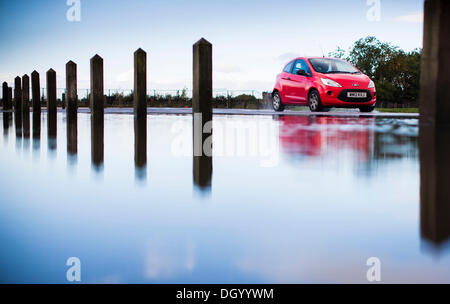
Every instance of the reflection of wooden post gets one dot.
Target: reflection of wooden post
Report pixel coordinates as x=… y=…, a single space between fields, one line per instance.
x=434 y=145
x=72 y=138
x=18 y=94
x=97 y=98
x=51 y=92
x=435 y=74
x=140 y=84
x=140 y=146
x=71 y=89
x=25 y=93
x=202 y=160
x=97 y=141
x=36 y=92
x=36 y=130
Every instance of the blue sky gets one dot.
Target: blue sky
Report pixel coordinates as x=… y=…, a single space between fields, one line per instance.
x=252 y=39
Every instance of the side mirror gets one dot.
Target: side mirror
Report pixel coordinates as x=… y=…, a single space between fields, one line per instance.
x=302 y=73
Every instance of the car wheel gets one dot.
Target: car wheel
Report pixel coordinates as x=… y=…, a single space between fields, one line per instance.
x=314 y=102
x=276 y=102
x=366 y=109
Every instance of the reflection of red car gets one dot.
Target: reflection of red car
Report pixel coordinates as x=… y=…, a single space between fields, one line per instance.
x=318 y=136
x=322 y=83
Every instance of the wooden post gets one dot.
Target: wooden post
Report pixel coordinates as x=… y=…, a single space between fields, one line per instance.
x=71 y=89
x=140 y=84
x=435 y=74
x=51 y=92
x=5 y=92
x=18 y=94
x=202 y=113
x=10 y=97
x=25 y=93
x=36 y=92
x=202 y=80
x=97 y=98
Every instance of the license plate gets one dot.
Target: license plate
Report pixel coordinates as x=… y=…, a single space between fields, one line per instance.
x=357 y=94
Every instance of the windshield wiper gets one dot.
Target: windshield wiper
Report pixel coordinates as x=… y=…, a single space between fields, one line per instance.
x=338 y=72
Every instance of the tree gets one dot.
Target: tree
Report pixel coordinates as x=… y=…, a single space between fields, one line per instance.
x=396 y=73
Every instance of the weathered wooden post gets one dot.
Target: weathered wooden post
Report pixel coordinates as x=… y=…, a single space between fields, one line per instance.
x=51 y=109
x=51 y=92
x=140 y=111
x=434 y=131
x=25 y=93
x=202 y=84
x=97 y=102
x=435 y=74
x=71 y=89
x=36 y=92
x=202 y=113
x=10 y=97
x=5 y=92
x=18 y=94
x=140 y=84
x=97 y=98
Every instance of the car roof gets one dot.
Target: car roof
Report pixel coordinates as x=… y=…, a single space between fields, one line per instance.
x=306 y=58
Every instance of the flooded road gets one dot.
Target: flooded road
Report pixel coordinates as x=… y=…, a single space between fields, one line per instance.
x=282 y=199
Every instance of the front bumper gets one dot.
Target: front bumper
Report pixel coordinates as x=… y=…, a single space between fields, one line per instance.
x=337 y=97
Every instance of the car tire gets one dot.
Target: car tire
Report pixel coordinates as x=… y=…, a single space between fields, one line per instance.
x=314 y=102
x=277 y=104
x=367 y=109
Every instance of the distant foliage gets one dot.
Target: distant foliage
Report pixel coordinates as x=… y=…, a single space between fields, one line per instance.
x=396 y=73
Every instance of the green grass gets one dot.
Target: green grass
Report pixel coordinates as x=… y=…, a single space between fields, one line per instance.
x=398 y=110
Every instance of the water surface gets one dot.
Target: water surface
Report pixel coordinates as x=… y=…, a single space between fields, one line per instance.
x=284 y=199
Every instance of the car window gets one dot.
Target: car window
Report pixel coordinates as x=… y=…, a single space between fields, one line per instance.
x=329 y=65
x=288 y=67
x=301 y=65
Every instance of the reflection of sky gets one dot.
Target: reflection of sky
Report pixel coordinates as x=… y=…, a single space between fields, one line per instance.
x=301 y=220
x=250 y=37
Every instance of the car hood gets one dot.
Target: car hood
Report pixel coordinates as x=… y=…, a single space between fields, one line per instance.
x=349 y=80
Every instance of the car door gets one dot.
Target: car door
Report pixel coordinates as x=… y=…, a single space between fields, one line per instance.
x=299 y=82
x=285 y=82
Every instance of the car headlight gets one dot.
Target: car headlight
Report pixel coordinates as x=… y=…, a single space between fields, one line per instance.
x=371 y=85
x=330 y=83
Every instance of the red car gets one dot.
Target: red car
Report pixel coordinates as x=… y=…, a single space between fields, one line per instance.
x=322 y=83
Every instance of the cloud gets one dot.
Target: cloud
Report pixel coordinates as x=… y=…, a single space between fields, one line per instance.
x=227 y=69
x=412 y=18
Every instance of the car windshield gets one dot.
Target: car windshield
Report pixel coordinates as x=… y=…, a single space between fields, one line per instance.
x=329 y=66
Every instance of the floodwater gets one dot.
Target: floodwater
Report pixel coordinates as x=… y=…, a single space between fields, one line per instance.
x=283 y=199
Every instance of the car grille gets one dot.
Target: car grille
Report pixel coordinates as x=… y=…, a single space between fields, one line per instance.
x=343 y=96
